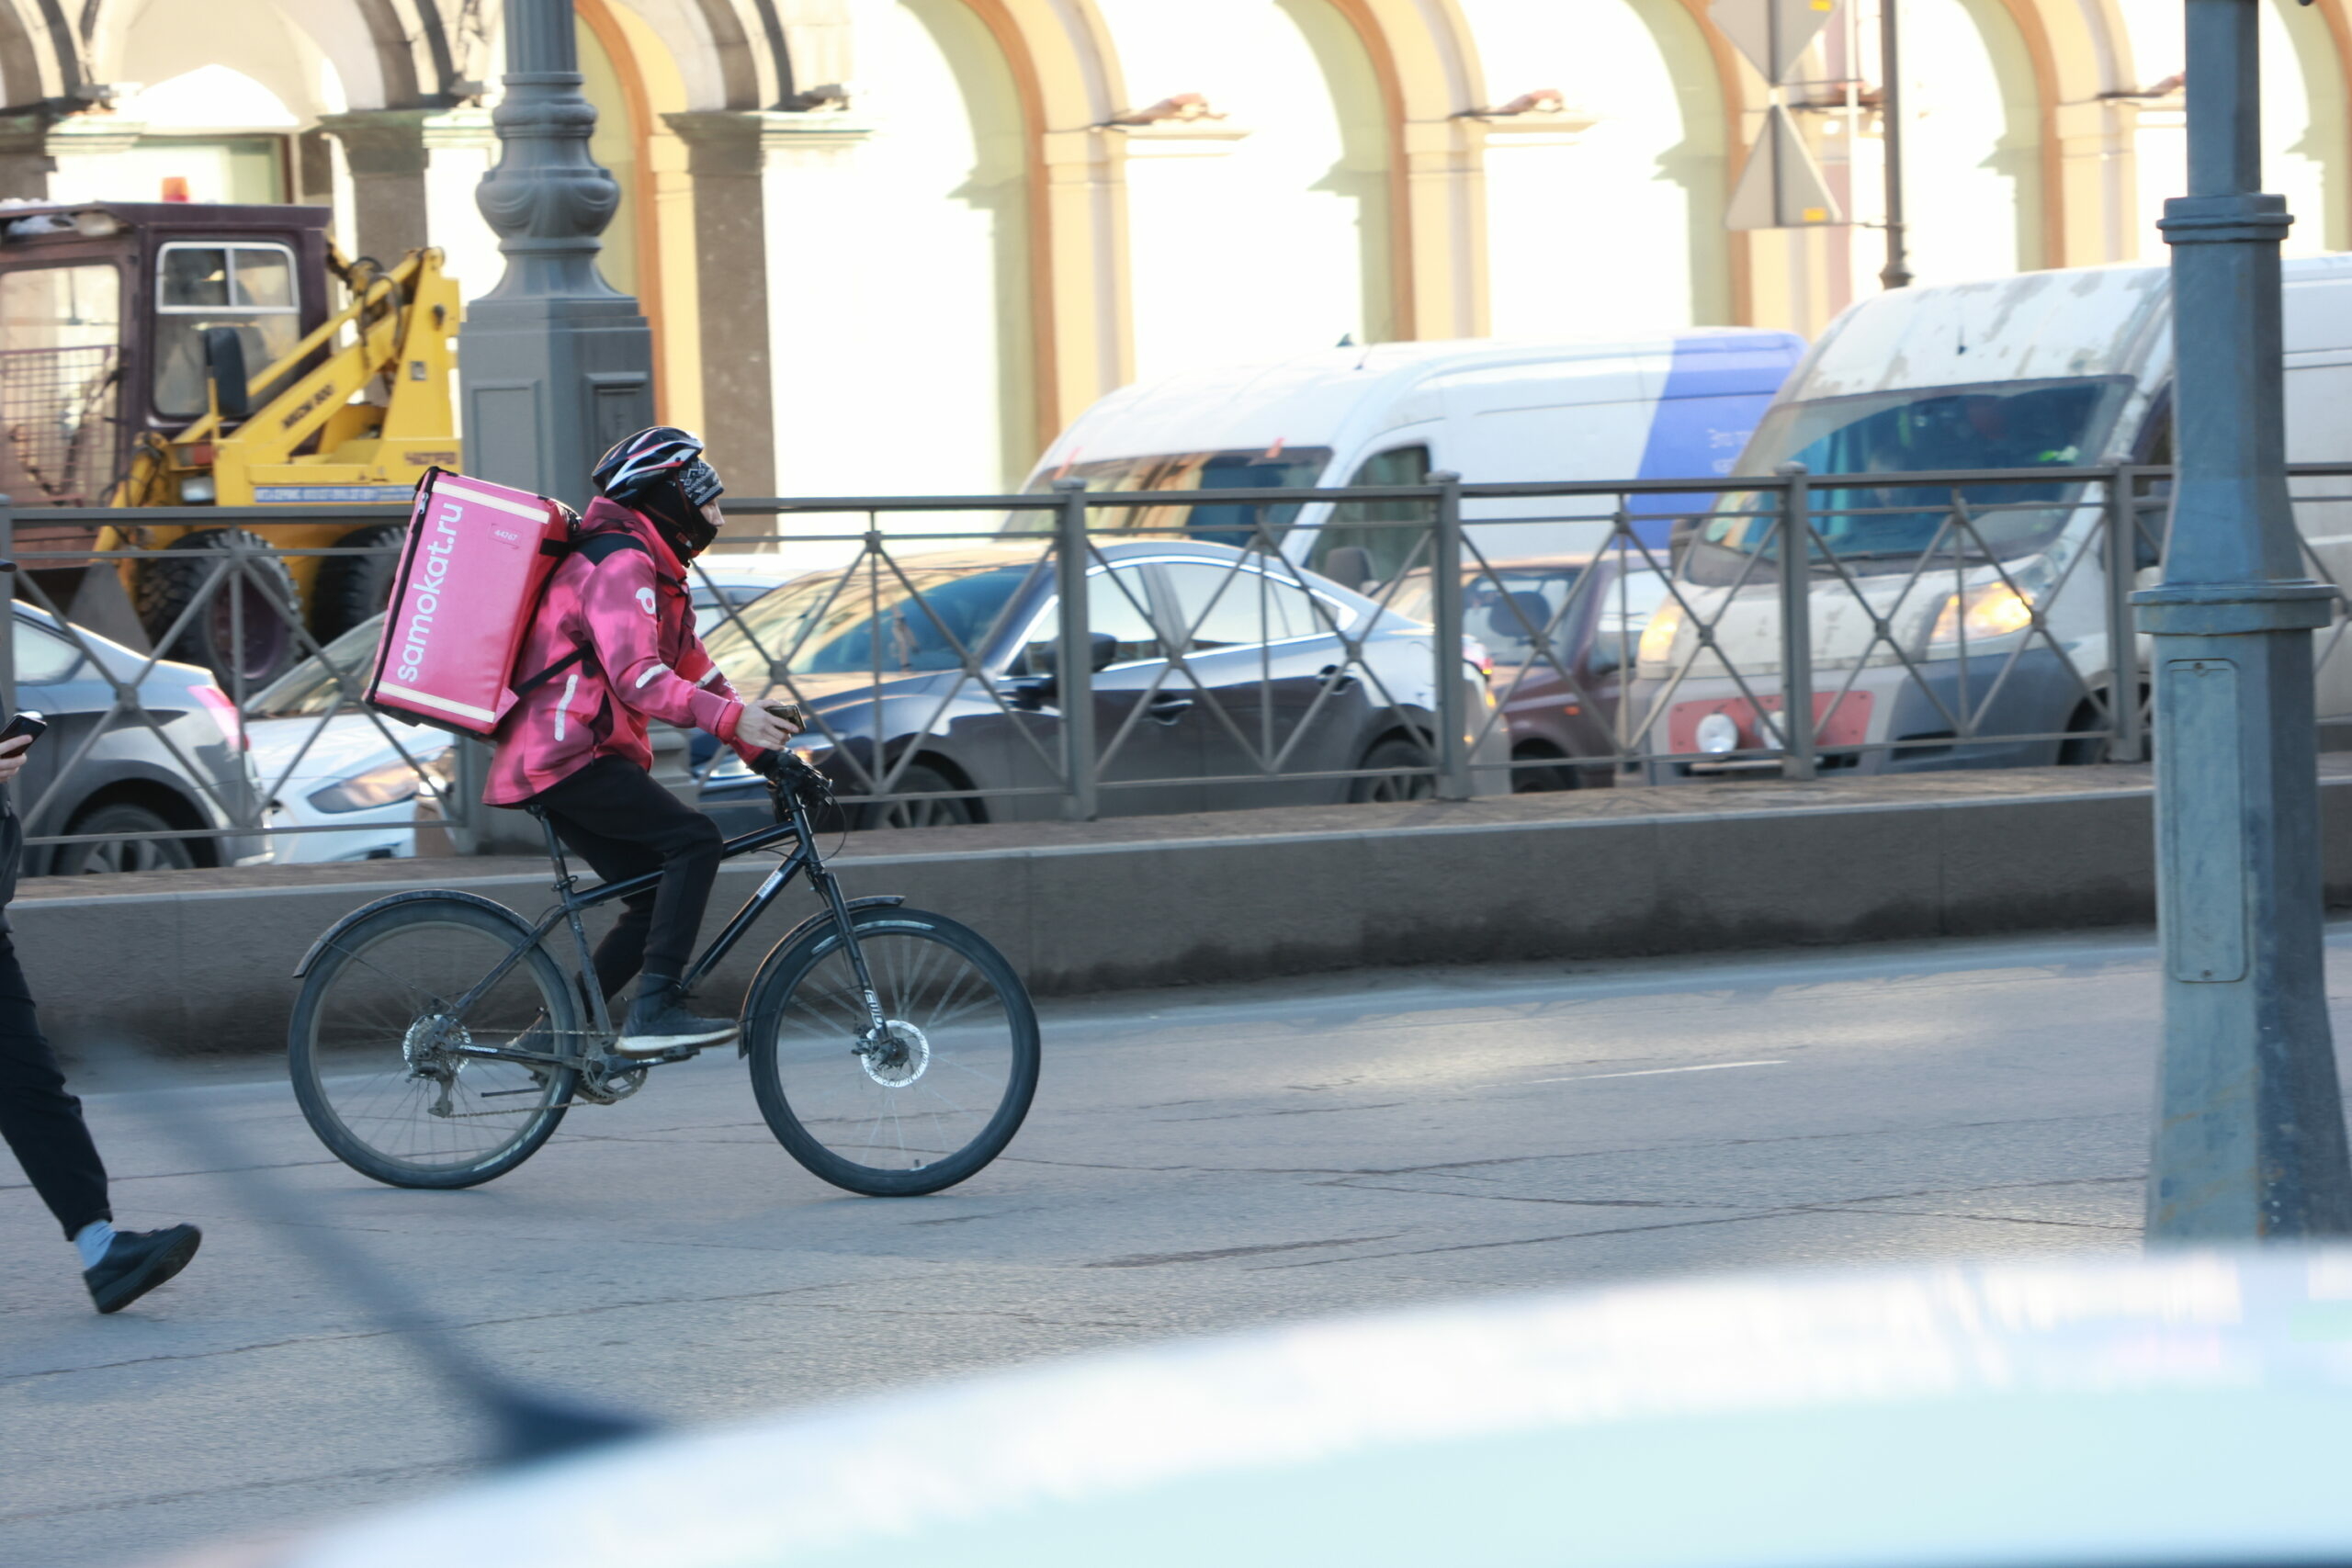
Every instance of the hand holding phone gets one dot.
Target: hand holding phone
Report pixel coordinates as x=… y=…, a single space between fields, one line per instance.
x=16 y=738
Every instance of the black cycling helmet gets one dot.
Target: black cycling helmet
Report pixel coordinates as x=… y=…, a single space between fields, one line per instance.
x=661 y=473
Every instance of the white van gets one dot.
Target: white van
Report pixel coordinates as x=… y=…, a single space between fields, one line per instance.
x=2068 y=368
x=1674 y=405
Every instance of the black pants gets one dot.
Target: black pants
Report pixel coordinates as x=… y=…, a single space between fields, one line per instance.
x=42 y=1122
x=615 y=816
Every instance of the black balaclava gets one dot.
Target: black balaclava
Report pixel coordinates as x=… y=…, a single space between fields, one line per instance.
x=683 y=525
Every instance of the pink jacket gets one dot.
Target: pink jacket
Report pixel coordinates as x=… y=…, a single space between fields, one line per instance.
x=631 y=611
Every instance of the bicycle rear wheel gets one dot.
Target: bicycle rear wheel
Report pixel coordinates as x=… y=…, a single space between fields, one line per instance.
x=383 y=1061
x=929 y=1105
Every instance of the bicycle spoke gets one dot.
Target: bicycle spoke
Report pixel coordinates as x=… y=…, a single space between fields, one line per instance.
x=930 y=1088
x=395 y=1081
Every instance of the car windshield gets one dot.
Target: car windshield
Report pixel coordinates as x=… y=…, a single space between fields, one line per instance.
x=848 y=622
x=1275 y=467
x=2018 y=425
x=310 y=690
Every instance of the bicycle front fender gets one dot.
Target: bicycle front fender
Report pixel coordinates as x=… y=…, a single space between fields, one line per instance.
x=523 y=928
x=793 y=939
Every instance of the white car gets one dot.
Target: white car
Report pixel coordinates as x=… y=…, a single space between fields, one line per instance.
x=2176 y=1410
x=329 y=763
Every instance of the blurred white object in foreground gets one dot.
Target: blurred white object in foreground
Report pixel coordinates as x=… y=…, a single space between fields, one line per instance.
x=2184 y=1409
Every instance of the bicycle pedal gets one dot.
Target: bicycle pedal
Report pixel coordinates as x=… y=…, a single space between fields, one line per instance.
x=615 y=1063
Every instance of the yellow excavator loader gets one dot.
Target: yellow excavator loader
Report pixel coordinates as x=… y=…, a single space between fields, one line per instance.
x=286 y=436
x=189 y=356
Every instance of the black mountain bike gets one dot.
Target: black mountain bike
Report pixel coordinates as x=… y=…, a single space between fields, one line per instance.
x=437 y=1042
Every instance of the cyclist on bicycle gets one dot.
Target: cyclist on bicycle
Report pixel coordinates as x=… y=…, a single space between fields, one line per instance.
x=612 y=645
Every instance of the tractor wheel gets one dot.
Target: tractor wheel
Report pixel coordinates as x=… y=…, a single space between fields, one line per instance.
x=244 y=633
x=352 y=589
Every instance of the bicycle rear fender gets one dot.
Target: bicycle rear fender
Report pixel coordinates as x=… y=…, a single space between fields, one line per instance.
x=522 y=927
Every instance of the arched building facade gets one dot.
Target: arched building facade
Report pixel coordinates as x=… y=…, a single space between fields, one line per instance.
x=894 y=244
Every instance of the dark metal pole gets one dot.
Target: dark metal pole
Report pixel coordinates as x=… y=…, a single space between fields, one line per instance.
x=556 y=365
x=1896 y=274
x=2250 y=1137
x=1452 y=700
x=1797 y=731
x=1074 y=655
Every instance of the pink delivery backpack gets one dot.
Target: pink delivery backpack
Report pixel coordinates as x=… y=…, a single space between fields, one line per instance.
x=477 y=558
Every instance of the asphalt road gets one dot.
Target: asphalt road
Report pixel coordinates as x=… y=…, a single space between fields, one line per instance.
x=1196 y=1161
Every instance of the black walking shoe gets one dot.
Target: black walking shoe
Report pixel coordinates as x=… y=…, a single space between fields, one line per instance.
x=138 y=1262
x=658 y=1022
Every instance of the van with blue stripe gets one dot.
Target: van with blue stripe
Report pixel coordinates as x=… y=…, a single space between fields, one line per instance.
x=1668 y=406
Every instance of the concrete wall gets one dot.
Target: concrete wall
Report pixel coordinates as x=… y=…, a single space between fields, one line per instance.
x=209 y=971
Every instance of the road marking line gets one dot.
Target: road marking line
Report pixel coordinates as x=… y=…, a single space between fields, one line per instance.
x=1654 y=1071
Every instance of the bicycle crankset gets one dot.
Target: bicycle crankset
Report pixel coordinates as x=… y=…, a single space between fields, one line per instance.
x=603 y=1081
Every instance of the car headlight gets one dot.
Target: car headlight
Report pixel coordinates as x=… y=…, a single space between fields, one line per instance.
x=387 y=785
x=1990 y=609
x=1657 y=638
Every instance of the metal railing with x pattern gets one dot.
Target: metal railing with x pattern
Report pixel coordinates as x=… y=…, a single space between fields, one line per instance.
x=1075 y=653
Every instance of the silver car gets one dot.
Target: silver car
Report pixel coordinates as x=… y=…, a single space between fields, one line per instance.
x=103 y=769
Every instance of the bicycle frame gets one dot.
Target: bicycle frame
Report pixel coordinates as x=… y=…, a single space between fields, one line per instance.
x=792 y=823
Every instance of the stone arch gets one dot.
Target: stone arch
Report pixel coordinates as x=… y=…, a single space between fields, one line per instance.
x=1972 y=108
x=2029 y=19
x=2305 y=134
x=1068 y=79
x=1637 y=145
x=24 y=83
x=2337 y=15
x=1289 y=159
x=1432 y=76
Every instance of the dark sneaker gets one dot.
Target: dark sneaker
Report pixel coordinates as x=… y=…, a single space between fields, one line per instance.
x=658 y=1022
x=138 y=1262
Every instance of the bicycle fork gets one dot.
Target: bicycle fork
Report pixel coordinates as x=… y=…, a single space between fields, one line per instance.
x=876 y=1040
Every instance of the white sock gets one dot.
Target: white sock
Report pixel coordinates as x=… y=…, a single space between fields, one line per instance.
x=92 y=1241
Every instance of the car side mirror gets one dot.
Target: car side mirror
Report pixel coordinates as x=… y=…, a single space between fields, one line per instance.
x=1040 y=663
x=1604 y=657
x=1045 y=657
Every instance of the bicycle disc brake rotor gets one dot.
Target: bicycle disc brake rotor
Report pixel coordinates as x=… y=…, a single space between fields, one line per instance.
x=901 y=1056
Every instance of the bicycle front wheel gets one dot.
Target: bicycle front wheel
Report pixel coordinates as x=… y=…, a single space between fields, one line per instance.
x=933 y=1099
x=387 y=1041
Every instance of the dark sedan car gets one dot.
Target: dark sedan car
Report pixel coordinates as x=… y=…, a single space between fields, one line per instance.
x=1545 y=621
x=933 y=676
x=185 y=767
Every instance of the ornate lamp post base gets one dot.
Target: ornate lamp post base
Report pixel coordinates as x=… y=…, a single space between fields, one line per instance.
x=554 y=363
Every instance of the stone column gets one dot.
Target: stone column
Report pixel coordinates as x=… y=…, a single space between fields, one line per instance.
x=384 y=149
x=25 y=163
x=732 y=157
x=727 y=157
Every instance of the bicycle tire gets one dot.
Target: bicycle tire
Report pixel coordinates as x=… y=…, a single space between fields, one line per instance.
x=799 y=1026
x=354 y=992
